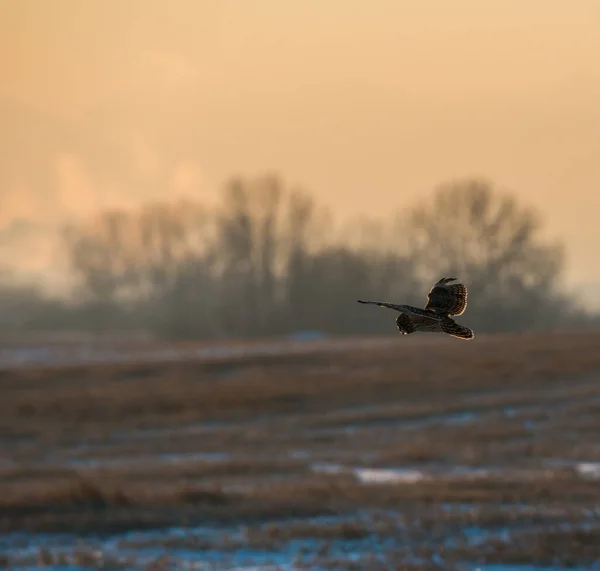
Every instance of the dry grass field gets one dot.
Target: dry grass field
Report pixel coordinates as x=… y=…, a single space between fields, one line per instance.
x=394 y=453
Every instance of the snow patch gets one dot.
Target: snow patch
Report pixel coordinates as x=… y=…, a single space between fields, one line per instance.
x=373 y=475
x=588 y=469
x=389 y=476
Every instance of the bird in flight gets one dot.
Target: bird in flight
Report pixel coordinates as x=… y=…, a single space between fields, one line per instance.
x=444 y=301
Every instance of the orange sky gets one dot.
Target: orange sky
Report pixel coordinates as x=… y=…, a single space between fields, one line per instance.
x=366 y=104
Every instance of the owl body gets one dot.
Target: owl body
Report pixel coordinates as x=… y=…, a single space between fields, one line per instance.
x=444 y=301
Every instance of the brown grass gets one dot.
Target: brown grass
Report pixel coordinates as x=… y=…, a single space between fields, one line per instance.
x=277 y=415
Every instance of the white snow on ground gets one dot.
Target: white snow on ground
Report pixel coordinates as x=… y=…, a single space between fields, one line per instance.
x=411 y=475
x=373 y=476
x=512 y=567
x=265 y=568
x=588 y=469
x=198 y=565
x=79 y=355
x=190 y=565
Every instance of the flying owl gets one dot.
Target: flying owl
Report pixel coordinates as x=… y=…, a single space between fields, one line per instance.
x=444 y=301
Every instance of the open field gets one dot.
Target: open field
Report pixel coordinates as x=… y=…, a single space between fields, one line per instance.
x=386 y=453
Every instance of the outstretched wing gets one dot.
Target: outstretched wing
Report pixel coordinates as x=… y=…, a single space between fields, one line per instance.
x=450 y=327
x=447 y=299
x=410 y=323
x=405 y=309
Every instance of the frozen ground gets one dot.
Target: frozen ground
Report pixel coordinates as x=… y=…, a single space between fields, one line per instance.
x=368 y=455
x=114 y=354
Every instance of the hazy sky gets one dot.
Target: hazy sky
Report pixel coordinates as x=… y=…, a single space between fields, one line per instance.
x=366 y=104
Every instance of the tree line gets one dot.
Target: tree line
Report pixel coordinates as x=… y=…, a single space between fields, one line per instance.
x=268 y=261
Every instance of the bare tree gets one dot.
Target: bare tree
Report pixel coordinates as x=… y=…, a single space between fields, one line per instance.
x=265 y=235
x=100 y=264
x=134 y=258
x=266 y=262
x=246 y=237
x=485 y=237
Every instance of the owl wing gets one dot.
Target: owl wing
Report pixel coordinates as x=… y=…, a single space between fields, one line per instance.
x=450 y=327
x=413 y=311
x=447 y=299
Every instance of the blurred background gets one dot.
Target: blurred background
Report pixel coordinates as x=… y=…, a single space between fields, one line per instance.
x=193 y=196
x=216 y=168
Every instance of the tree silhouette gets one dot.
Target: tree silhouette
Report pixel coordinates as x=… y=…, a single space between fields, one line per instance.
x=470 y=230
x=266 y=262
